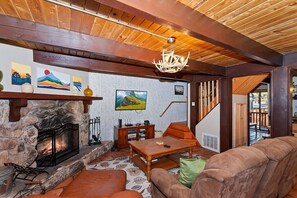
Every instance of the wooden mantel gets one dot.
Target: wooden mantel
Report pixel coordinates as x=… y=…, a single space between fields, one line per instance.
x=18 y=100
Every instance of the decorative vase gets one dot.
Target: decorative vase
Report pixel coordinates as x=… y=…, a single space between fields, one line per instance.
x=88 y=92
x=27 y=88
x=75 y=91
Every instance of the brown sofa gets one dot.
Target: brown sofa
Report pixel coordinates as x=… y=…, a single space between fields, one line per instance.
x=93 y=184
x=266 y=169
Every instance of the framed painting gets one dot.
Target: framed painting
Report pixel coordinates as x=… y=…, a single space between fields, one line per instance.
x=130 y=100
x=20 y=74
x=52 y=79
x=178 y=90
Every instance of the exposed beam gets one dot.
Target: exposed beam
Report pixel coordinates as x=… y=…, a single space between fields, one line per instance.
x=91 y=65
x=16 y=29
x=290 y=59
x=179 y=17
x=248 y=69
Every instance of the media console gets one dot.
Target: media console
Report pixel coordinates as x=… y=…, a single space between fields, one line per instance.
x=135 y=132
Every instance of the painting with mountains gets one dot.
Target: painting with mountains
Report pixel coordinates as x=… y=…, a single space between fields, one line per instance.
x=52 y=79
x=20 y=74
x=130 y=100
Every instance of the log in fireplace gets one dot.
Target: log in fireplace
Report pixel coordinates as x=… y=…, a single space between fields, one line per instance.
x=56 y=145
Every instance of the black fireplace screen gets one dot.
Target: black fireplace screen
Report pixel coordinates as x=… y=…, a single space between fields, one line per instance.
x=56 y=145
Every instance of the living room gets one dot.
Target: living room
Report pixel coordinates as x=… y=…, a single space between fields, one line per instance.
x=115 y=53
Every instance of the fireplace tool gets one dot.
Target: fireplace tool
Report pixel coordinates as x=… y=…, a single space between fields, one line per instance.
x=94 y=131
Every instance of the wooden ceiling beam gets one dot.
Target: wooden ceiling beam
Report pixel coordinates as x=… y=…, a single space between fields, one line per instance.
x=16 y=29
x=290 y=59
x=90 y=65
x=181 y=18
x=93 y=65
x=248 y=69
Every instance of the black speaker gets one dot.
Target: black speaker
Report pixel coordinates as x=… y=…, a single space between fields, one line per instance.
x=120 y=122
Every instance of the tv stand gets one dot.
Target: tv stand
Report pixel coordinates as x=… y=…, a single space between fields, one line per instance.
x=134 y=132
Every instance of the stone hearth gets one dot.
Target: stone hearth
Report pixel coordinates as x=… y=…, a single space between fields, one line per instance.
x=18 y=139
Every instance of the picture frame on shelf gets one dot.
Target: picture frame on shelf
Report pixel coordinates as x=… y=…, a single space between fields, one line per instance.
x=178 y=90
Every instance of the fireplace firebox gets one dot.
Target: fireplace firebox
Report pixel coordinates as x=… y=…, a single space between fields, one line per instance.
x=56 y=145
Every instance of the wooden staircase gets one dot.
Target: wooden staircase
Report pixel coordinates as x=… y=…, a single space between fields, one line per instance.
x=182 y=132
x=208 y=97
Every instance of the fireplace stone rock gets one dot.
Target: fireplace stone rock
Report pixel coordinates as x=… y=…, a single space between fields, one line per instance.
x=20 y=138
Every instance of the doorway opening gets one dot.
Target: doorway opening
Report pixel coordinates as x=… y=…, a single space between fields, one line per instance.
x=259 y=112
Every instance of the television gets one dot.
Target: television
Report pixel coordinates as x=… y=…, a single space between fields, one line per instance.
x=130 y=100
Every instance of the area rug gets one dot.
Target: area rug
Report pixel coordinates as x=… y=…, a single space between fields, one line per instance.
x=136 y=179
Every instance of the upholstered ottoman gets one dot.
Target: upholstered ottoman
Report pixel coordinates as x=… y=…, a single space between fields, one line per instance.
x=91 y=183
x=95 y=184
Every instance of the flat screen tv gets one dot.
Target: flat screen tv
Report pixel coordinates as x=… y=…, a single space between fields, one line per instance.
x=130 y=100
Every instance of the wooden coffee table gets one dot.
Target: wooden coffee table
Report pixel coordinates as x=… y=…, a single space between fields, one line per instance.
x=149 y=150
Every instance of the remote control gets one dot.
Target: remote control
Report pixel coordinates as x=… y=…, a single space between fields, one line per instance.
x=166 y=145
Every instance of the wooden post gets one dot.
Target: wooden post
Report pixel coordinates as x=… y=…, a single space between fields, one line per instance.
x=225 y=114
x=280 y=102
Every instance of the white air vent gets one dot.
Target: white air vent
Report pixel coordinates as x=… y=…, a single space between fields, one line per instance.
x=210 y=142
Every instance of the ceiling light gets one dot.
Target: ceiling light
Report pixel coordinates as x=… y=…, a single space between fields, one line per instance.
x=171 y=63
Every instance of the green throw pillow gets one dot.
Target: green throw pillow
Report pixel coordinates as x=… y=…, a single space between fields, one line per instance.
x=189 y=169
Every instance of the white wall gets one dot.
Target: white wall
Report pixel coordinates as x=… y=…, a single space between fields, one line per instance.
x=236 y=99
x=159 y=95
x=210 y=125
x=9 y=54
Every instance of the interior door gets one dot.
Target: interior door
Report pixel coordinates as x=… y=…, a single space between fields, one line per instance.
x=241 y=132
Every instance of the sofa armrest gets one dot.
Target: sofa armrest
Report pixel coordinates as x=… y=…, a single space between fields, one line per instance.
x=179 y=191
x=168 y=184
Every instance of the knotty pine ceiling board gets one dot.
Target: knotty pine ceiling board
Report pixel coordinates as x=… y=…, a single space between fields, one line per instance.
x=270 y=22
x=244 y=85
x=59 y=16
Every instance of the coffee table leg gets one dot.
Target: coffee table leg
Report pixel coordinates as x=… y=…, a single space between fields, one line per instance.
x=131 y=152
x=190 y=153
x=148 y=169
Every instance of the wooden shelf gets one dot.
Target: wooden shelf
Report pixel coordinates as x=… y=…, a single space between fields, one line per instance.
x=18 y=100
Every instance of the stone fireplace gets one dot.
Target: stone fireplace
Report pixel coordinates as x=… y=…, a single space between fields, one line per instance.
x=57 y=144
x=18 y=140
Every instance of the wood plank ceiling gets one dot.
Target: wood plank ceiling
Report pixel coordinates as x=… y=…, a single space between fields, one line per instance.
x=244 y=85
x=271 y=23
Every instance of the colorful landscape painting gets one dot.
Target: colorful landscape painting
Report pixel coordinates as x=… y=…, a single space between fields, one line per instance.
x=52 y=79
x=130 y=100
x=20 y=74
x=76 y=83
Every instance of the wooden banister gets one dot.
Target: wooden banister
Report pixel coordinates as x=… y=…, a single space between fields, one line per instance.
x=170 y=105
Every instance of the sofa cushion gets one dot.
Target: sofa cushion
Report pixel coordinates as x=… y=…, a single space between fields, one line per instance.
x=189 y=169
x=278 y=153
x=287 y=180
x=233 y=173
x=96 y=183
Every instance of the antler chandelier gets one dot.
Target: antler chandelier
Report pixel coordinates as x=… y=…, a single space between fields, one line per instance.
x=171 y=63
